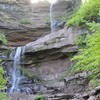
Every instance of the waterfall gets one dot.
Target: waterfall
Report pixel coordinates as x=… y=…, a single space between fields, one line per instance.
x=16 y=73
x=52 y=20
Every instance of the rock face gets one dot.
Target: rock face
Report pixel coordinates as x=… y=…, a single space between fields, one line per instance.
x=46 y=58
x=24 y=22
x=77 y=83
x=58 y=96
x=55 y=45
x=50 y=53
x=49 y=57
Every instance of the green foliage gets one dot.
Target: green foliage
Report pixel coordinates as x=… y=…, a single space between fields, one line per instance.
x=3 y=38
x=39 y=97
x=81 y=40
x=24 y=21
x=2 y=96
x=46 y=19
x=88 y=11
x=94 y=83
x=88 y=58
x=3 y=82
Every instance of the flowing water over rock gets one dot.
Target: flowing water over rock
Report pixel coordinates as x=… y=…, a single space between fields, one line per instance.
x=16 y=73
x=19 y=79
x=52 y=20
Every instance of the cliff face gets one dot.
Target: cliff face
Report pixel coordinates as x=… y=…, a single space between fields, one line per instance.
x=46 y=54
x=24 y=22
x=52 y=51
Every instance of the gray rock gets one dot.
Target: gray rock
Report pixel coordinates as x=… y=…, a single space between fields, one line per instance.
x=92 y=98
x=62 y=38
x=77 y=83
x=61 y=42
x=24 y=22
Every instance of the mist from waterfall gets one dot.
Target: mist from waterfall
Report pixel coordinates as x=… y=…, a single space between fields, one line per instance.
x=16 y=73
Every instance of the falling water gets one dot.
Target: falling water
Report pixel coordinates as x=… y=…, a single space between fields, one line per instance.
x=16 y=74
x=52 y=21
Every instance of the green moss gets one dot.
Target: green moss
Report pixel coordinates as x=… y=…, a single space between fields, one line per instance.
x=24 y=21
x=3 y=96
x=28 y=73
x=39 y=97
x=46 y=19
x=3 y=38
x=87 y=12
x=31 y=75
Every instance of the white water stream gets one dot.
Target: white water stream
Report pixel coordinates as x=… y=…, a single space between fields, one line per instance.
x=16 y=74
x=52 y=20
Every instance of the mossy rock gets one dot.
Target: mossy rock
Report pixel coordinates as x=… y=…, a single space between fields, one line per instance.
x=40 y=97
x=3 y=39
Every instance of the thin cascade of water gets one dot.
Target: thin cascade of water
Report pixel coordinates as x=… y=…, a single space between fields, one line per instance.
x=16 y=73
x=52 y=20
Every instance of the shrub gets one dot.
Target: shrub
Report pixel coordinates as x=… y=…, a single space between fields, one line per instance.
x=88 y=11
x=2 y=96
x=3 y=82
x=88 y=58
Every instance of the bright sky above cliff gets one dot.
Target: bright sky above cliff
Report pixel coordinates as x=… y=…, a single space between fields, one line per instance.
x=36 y=1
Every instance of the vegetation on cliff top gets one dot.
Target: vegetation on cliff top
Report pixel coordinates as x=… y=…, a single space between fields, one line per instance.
x=88 y=12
